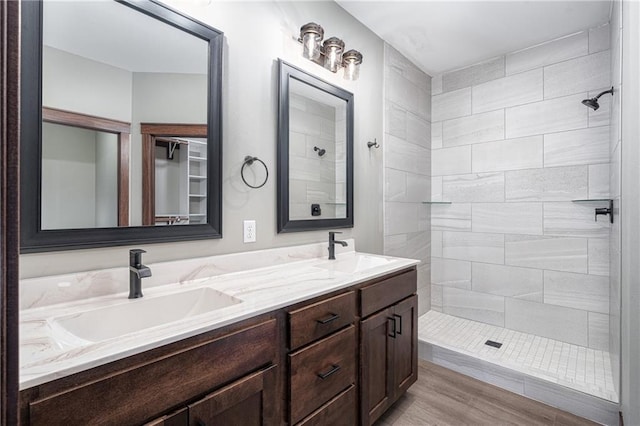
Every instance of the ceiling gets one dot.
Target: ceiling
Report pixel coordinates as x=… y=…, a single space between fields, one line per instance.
x=443 y=35
x=117 y=35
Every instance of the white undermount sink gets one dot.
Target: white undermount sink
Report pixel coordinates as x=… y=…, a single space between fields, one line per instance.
x=139 y=314
x=354 y=264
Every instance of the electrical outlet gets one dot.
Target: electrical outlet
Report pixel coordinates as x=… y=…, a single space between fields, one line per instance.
x=249 y=231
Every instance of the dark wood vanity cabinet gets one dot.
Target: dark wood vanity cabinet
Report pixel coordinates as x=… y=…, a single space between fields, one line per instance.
x=341 y=359
x=323 y=368
x=211 y=377
x=388 y=345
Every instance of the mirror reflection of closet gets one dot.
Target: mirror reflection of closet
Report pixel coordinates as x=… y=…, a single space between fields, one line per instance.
x=174 y=174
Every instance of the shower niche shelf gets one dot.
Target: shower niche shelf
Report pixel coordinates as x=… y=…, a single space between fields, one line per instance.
x=436 y=202
x=592 y=200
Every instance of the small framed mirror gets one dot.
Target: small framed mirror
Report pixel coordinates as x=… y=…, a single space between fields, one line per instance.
x=315 y=152
x=121 y=125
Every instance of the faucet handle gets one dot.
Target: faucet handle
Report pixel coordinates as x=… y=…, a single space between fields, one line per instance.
x=137 y=251
x=332 y=233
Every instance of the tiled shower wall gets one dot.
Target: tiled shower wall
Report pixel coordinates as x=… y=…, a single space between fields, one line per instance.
x=512 y=146
x=407 y=159
x=615 y=189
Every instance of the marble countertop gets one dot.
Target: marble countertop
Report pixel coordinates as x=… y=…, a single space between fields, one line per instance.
x=47 y=354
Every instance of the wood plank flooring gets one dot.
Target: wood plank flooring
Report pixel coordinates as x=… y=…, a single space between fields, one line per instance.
x=444 y=397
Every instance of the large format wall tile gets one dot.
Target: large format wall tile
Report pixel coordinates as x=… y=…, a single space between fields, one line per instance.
x=400 y=218
x=401 y=155
x=436 y=244
x=599 y=331
x=511 y=154
x=476 y=128
x=451 y=273
x=599 y=181
x=555 y=322
x=436 y=135
x=451 y=105
x=476 y=187
x=395 y=120
x=401 y=91
x=414 y=245
x=507 y=218
x=585 y=292
x=521 y=283
x=599 y=38
x=577 y=75
x=555 y=253
x=436 y=297
x=574 y=219
x=552 y=184
x=599 y=256
x=548 y=53
x=481 y=307
x=473 y=246
x=473 y=75
x=601 y=117
x=436 y=188
x=509 y=91
x=585 y=146
x=451 y=161
x=418 y=130
x=451 y=217
x=553 y=115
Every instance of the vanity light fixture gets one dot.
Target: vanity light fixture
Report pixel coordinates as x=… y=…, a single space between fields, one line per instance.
x=330 y=54
x=333 y=48
x=351 y=61
x=311 y=35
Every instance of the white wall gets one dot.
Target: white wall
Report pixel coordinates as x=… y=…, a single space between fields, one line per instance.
x=106 y=191
x=630 y=206
x=512 y=146
x=256 y=35
x=68 y=177
x=74 y=83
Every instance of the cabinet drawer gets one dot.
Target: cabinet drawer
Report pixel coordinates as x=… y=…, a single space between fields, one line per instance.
x=340 y=411
x=321 y=371
x=387 y=292
x=136 y=395
x=321 y=319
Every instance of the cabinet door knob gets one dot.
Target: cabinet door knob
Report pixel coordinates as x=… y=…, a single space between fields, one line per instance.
x=399 y=318
x=334 y=369
x=330 y=318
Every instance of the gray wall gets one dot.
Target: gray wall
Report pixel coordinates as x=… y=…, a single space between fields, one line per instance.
x=249 y=128
x=407 y=162
x=630 y=206
x=512 y=145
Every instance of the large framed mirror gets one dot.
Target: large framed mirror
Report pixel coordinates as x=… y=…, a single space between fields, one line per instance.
x=315 y=152
x=121 y=125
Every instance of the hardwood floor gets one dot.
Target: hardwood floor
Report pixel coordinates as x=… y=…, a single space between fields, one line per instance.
x=444 y=397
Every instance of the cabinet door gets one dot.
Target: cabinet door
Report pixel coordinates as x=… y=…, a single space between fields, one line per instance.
x=246 y=402
x=376 y=355
x=405 y=363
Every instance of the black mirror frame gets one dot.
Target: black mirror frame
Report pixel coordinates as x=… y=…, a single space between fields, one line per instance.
x=33 y=238
x=285 y=72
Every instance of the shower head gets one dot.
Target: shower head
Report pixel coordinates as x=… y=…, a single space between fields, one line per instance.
x=320 y=151
x=593 y=102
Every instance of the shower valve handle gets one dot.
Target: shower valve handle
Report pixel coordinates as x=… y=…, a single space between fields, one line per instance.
x=605 y=211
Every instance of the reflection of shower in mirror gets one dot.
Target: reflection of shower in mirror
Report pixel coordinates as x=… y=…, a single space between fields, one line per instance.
x=320 y=151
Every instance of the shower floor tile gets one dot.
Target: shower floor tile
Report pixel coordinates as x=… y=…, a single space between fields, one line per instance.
x=576 y=367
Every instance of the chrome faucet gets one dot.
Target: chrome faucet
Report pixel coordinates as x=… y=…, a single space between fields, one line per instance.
x=137 y=271
x=332 y=244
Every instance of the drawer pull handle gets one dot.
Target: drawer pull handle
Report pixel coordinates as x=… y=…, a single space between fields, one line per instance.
x=334 y=369
x=393 y=329
x=330 y=318
x=399 y=318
